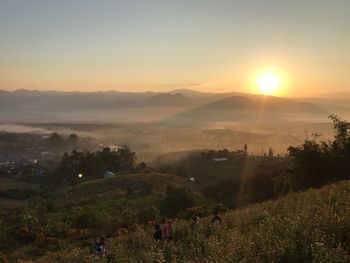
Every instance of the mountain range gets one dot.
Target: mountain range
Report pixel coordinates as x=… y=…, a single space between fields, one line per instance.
x=180 y=106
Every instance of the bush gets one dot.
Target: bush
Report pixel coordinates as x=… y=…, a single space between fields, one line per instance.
x=87 y=219
x=177 y=200
x=25 y=235
x=147 y=214
x=56 y=229
x=47 y=243
x=198 y=211
x=224 y=191
x=127 y=217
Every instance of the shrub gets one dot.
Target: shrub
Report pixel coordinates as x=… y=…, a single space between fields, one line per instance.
x=177 y=200
x=198 y=211
x=87 y=219
x=147 y=214
x=25 y=235
x=127 y=217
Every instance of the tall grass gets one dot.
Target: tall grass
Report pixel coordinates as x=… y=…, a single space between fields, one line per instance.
x=313 y=226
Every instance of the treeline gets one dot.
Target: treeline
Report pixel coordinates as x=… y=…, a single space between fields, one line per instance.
x=240 y=180
x=318 y=163
x=82 y=166
x=313 y=164
x=243 y=179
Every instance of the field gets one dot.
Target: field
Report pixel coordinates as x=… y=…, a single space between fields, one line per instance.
x=302 y=227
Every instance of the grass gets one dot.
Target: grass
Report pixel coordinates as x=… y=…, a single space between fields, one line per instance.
x=119 y=185
x=10 y=184
x=313 y=226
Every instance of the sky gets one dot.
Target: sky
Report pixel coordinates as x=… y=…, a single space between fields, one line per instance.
x=160 y=45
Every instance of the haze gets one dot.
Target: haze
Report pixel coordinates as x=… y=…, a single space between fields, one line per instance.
x=212 y=46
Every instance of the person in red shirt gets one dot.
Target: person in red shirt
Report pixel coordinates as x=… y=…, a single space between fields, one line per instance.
x=166 y=228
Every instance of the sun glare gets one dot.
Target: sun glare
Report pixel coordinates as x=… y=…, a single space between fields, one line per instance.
x=268 y=83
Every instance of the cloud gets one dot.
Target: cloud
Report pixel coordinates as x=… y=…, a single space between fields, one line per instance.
x=195 y=84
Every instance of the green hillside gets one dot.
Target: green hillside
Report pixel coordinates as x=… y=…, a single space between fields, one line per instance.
x=34 y=220
x=313 y=226
x=117 y=186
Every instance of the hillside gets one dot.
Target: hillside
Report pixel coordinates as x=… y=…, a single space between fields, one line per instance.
x=302 y=227
x=118 y=186
x=180 y=105
x=247 y=109
x=167 y=100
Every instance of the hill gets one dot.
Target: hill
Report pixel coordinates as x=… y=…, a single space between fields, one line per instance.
x=264 y=103
x=32 y=105
x=247 y=108
x=118 y=186
x=208 y=96
x=167 y=100
x=180 y=106
x=313 y=226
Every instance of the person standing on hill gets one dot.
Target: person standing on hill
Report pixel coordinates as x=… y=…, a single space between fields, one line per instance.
x=166 y=228
x=98 y=248
x=158 y=233
x=194 y=224
x=216 y=220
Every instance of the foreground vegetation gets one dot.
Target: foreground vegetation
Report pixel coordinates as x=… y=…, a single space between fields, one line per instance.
x=56 y=216
x=302 y=227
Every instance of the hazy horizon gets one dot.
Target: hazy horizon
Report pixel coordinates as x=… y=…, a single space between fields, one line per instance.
x=340 y=94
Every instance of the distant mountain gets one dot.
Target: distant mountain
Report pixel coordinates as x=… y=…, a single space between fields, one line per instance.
x=338 y=106
x=28 y=105
x=241 y=108
x=67 y=101
x=179 y=105
x=167 y=100
x=211 y=96
x=191 y=93
x=262 y=103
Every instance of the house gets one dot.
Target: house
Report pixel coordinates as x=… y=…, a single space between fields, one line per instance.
x=222 y=159
x=108 y=174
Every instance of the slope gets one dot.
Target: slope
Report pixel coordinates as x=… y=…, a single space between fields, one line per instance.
x=118 y=186
x=244 y=108
x=313 y=226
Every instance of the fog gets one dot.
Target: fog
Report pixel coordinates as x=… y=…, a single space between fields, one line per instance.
x=158 y=124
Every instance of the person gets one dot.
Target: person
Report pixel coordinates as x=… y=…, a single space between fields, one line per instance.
x=194 y=224
x=99 y=246
x=158 y=233
x=165 y=230
x=216 y=220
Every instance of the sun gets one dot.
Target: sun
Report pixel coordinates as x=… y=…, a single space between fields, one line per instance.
x=268 y=83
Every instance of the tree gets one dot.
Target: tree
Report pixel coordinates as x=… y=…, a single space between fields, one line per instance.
x=176 y=200
x=73 y=139
x=270 y=152
x=93 y=165
x=224 y=191
x=55 y=139
x=341 y=143
x=245 y=148
x=317 y=163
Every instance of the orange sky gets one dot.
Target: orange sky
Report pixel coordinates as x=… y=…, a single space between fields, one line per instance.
x=164 y=45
